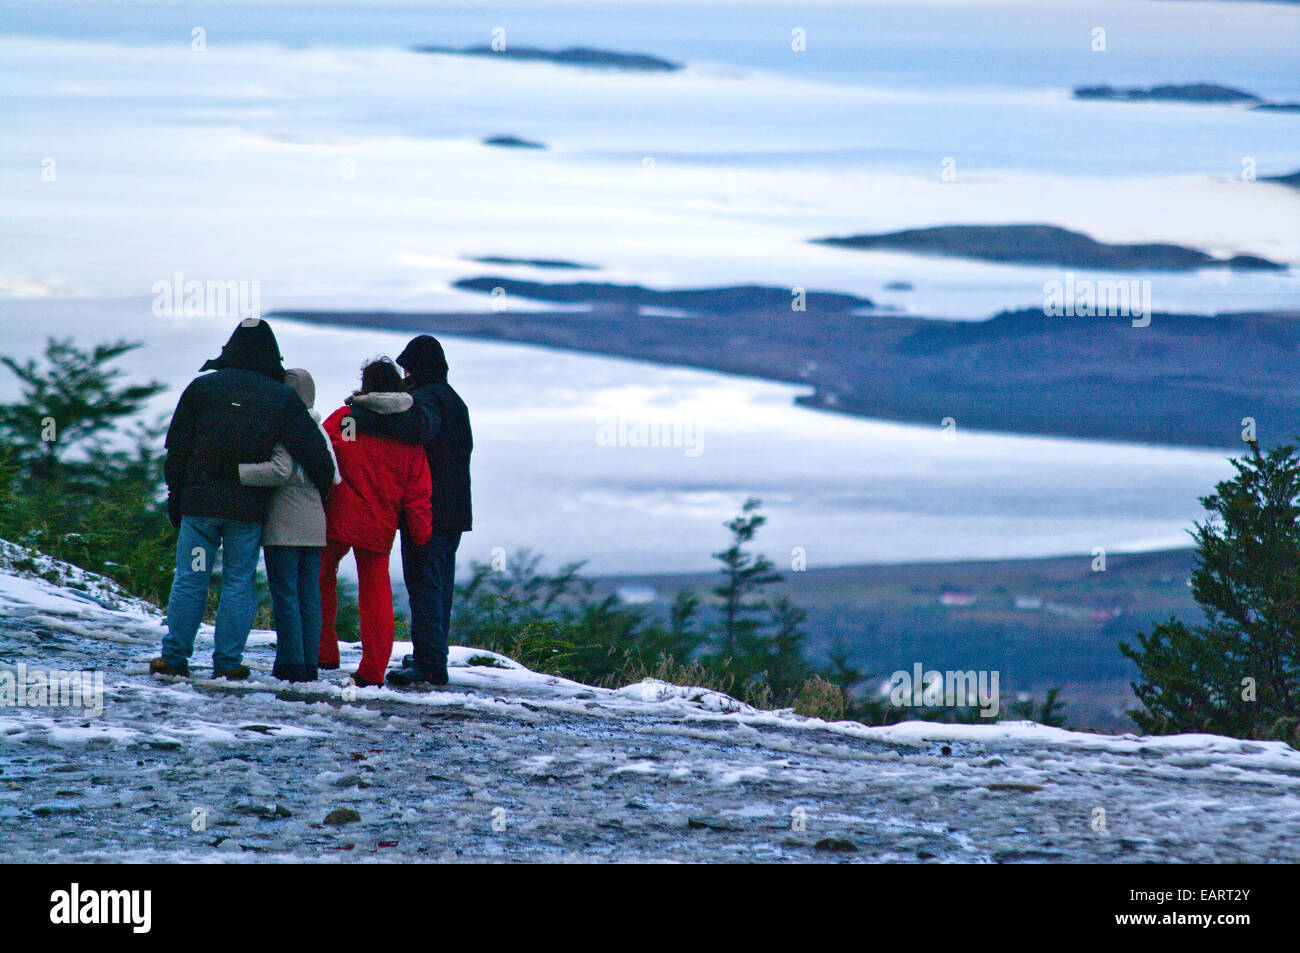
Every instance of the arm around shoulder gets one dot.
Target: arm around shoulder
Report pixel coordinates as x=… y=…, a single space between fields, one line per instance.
x=273 y=472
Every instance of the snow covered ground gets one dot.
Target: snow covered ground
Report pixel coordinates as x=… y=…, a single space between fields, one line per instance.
x=508 y=764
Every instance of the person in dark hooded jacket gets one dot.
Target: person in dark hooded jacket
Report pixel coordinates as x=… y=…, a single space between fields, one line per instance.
x=438 y=421
x=237 y=414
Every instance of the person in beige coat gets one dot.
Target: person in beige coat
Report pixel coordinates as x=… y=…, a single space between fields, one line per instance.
x=293 y=538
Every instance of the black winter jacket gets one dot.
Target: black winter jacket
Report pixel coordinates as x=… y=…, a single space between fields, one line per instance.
x=233 y=416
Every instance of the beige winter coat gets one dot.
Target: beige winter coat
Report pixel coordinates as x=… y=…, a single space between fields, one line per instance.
x=295 y=515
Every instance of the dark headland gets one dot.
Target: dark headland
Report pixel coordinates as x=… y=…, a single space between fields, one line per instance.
x=1184 y=379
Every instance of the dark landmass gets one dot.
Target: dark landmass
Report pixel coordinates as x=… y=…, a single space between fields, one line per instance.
x=1184 y=379
x=512 y=142
x=1185 y=93
x=1044 y=245
x=573 y=56
x=1292 y=179
x=1065 y=631
x=556 y=263
x=900 y=286
x=696 y=300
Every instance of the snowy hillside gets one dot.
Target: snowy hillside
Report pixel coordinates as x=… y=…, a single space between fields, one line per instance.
x=509 y=764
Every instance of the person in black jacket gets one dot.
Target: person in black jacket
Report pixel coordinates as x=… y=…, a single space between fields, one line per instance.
x=234 y=415
x=439 y=421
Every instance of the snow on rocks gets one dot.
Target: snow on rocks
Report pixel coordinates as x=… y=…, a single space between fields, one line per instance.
x=506 y=763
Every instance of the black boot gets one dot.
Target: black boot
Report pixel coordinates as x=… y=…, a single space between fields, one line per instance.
x=410 y=675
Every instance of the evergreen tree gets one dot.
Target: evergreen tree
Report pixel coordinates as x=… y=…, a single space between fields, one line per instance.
x=64 y=488
x=69 y=407
x=745 y=576
x=1240 y=673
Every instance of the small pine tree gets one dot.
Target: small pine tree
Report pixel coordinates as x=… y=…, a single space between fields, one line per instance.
x=1239 y=674
x=746 y=575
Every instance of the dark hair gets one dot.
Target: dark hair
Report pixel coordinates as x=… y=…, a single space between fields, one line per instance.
x=380 y=376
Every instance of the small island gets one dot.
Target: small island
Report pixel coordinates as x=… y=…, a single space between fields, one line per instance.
x=572 y=56
x=1205 y=93
x=1044 y=245
x=512 y=142
x=692 y=301
x=1185 y=93
x=555 y=263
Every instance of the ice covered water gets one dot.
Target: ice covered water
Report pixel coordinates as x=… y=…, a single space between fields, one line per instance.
x=844 y=490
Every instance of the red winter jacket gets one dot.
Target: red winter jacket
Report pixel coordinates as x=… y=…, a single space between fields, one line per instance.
x=383 y=480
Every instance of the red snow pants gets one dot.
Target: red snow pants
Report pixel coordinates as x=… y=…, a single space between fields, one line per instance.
x=375 y=600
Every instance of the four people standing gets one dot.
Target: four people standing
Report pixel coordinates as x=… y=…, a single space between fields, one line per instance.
x=249 y=463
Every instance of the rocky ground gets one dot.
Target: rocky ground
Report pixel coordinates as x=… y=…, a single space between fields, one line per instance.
x=507 y=764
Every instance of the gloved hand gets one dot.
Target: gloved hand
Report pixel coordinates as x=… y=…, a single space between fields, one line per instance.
x=174 y=508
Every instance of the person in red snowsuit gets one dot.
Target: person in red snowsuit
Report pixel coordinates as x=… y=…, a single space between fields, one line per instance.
x=384 y=483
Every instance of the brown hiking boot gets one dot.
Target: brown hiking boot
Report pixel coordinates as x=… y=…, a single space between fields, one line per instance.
x=236 y=674
x=160 y=667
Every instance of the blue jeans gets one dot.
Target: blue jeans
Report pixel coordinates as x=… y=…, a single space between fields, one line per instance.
x=430 y=575
x=196 y=552
x=293 y=574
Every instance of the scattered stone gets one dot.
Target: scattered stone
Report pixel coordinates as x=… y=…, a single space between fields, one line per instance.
x=840 y=844
x=342 y=815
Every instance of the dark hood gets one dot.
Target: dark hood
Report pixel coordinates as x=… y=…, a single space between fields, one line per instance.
x=423 y=359
x=253 y=348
